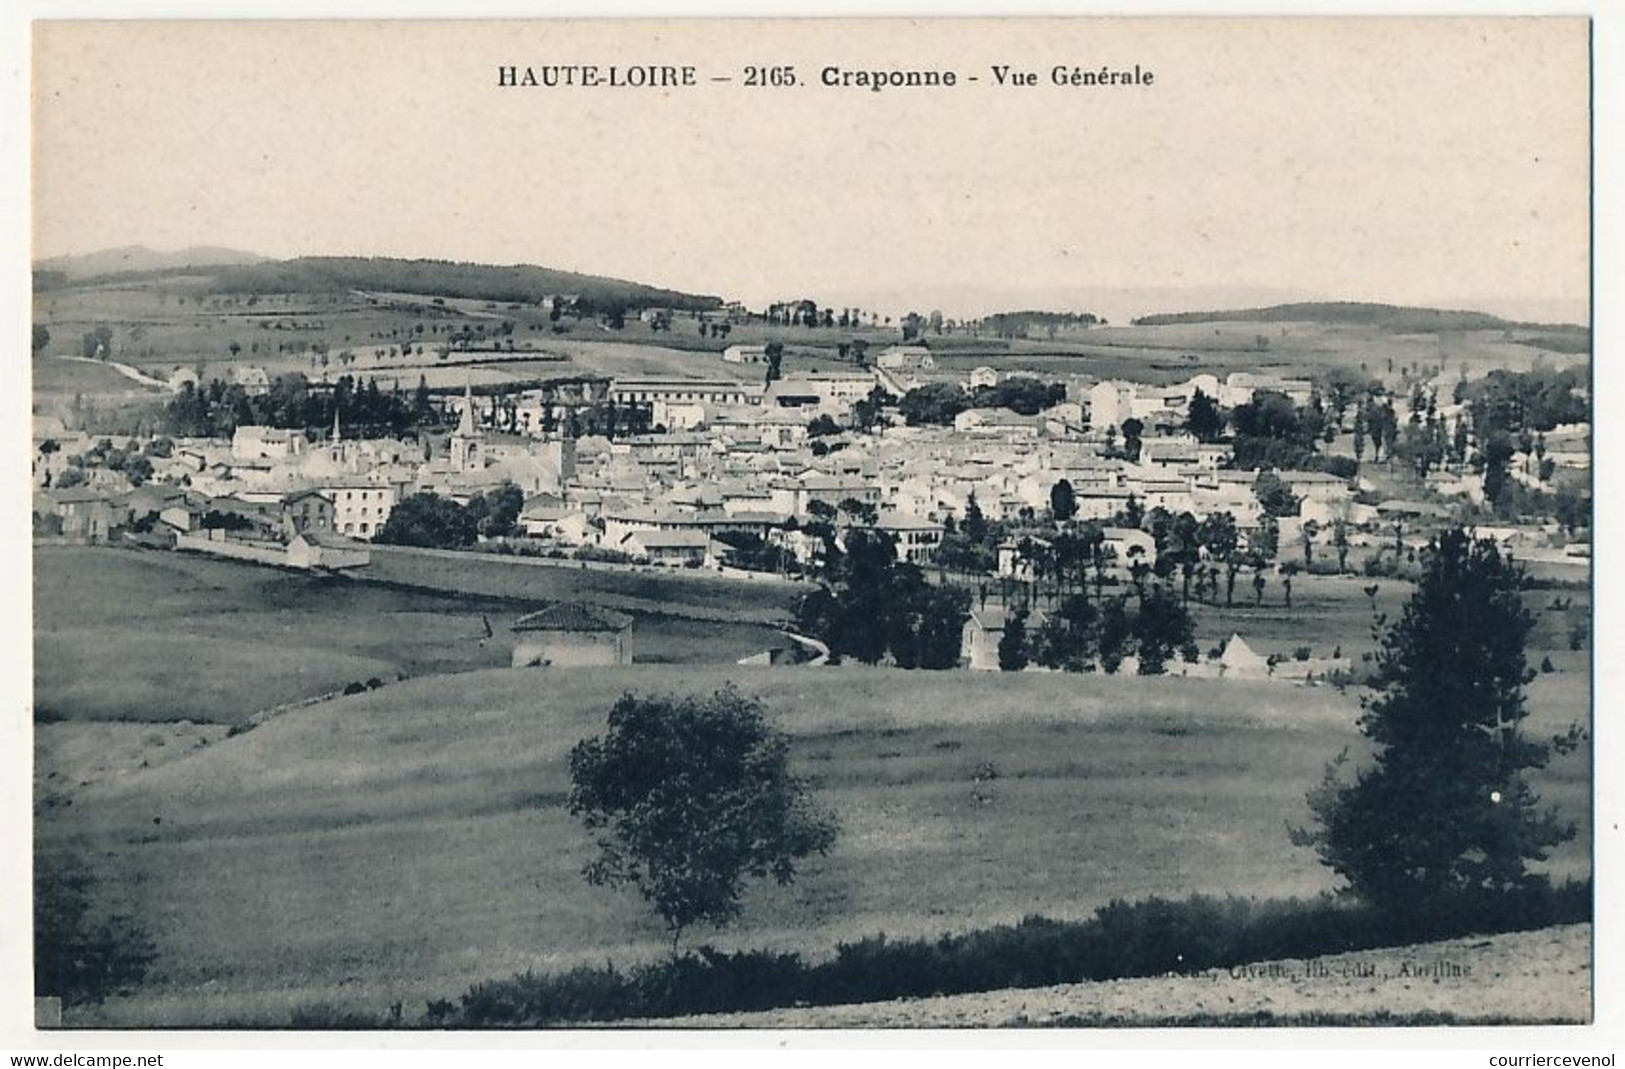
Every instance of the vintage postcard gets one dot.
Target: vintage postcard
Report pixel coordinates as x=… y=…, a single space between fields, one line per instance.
x=811 y=524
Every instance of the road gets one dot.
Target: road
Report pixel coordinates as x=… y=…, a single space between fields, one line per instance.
x=123 y=369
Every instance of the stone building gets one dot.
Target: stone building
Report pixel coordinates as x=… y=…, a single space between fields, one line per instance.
x=568 y=634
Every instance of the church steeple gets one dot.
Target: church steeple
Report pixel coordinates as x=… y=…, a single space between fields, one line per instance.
x=466 y=427
x=466 y=453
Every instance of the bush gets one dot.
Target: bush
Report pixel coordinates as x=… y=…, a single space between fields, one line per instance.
x=77 y=957
x=598 y=553
x=1148 y=938
x=1342 y=467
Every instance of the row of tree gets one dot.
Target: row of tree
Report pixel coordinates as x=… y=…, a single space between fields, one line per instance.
x=1080 y=636
x=217 y=409
x=871 y=605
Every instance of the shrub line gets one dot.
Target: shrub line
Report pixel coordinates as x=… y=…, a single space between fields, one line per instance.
x=1123 y=940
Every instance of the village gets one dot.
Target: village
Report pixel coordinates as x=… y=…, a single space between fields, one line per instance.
x=751 y=467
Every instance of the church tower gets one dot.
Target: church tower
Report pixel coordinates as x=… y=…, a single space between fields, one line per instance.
x=467 y=444
x=335 y=444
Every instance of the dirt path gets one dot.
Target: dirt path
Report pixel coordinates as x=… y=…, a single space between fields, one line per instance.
x=126 y=370
x=1524 y=977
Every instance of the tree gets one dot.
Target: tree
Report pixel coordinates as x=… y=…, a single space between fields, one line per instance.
x=1308 y=531
x=1265 y=541
x=823 y=425
x=1022 y=394
x=934 y=403
x=1204 y=420
x=1498 y=452
x=98 y=343
x=775 y=361
x=875 y=604
x=1162 y=628
x=1276 y=498
x=138 y=469
x=1067 y=638
x=1116 y=636
x=1218 y=535
x=1013 y=643
x=976 y=528
x=1132 y=430
x=926 y=621
x=859 y=512
x=687 y=799
x=1063 y=501
x=496 y=513
x=431 y=521
x=1444 y=807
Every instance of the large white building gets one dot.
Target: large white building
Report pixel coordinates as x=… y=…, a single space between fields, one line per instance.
x=673 y=391
x=360 y=506
x=266 y=443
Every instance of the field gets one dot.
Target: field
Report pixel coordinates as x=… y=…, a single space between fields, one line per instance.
x=765 y=600
x=143 y=635
x=1334 y=612
x=165 y=322
x=404 y=843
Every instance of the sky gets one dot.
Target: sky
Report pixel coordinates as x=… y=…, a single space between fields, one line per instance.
x=1440 y=161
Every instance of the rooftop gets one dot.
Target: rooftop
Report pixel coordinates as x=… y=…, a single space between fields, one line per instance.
x=573 y=616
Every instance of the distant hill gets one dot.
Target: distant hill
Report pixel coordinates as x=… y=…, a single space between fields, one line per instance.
x=138 y=259
x=1396 y=318
x=525 y=283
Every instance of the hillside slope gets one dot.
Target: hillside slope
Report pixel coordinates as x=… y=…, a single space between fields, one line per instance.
x=521 y=283
x=1397 y=318
x=129 y=259
x=408 y=842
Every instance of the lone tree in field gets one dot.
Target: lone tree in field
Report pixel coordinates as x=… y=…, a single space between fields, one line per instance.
x=689 y=797
x=1444 y=810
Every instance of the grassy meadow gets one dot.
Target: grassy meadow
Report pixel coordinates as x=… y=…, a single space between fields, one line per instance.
x=145 y=635
x=766 y=600
x=405 y=843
